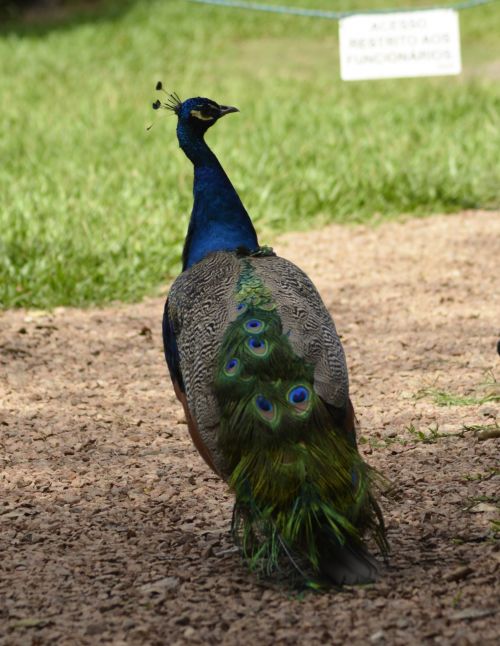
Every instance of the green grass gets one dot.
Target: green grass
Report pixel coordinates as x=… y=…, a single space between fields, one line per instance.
x=487 y=392
x=431 y=437
x=93 y=208
x=443 y=398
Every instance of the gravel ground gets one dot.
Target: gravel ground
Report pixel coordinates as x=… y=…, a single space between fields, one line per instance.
x=113 y=530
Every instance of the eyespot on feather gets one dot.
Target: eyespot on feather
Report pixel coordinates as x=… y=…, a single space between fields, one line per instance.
x=300 y=398
x=241 y=308
x=255 y=326
x=257 y=347
x=265 y=408
x=232 y=367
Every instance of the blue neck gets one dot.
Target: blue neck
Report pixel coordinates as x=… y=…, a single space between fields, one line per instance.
x=219 y=221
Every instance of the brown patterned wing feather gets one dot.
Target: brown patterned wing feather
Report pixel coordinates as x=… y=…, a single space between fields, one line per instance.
x=202 y=304
x=309 y=326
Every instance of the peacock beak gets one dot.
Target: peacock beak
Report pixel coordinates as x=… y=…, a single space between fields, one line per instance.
x=226 y=109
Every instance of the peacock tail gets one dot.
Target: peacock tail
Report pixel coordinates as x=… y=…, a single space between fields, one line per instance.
x=300 y=484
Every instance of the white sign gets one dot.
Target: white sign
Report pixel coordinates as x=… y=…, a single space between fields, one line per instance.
x=397 y=45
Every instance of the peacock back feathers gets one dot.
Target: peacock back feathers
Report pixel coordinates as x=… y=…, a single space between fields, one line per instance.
x=265 y=377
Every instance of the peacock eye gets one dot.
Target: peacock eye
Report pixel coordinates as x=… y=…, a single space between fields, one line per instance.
x=263 y=404
x=211 y=110
x=231 y=367
x=257 y=347
x=265 y=408
x=241 y=307
x=299 y=397
x=254 y=325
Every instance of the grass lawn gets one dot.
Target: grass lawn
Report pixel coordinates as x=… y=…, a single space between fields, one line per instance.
x=93 y=208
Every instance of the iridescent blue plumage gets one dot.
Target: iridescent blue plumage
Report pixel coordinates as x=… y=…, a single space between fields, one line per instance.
x=219 y=221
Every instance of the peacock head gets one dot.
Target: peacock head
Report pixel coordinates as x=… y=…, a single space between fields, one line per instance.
x=199 y=113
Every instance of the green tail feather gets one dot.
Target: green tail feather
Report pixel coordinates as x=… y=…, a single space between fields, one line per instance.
x=302 y=490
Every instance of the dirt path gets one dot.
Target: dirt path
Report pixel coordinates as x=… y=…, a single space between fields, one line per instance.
x=112 y=529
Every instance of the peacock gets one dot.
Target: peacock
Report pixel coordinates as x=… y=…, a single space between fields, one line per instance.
x=258 y=366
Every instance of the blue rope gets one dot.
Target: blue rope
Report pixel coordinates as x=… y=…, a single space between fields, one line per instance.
x=333 y=15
